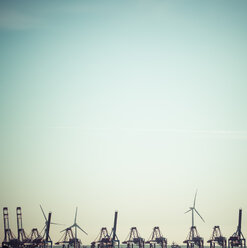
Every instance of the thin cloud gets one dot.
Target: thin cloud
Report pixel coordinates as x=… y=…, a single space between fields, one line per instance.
x=221 y=133
x=205 y=132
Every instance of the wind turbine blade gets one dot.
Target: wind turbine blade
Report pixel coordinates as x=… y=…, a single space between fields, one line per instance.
x=195 y=200
x=43 y=213
x=199 y=215
x=188 y=211
x=75 y=215
x=81 y=229
x=43 y=228
x=58 y=224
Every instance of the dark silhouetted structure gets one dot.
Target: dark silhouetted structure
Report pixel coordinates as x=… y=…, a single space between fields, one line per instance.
x=134 y=238
x=24 y=241
x=113 y=235
x=69 y=239
x=217 y=238
x=36 y=239
x=156 y=238
x=237 y=239
x=194 y=238
x=104 y=240
x=9 y=239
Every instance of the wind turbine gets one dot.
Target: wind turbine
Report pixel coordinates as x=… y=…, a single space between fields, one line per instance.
x=192 y=209
x=46 y=221
x=75 y=225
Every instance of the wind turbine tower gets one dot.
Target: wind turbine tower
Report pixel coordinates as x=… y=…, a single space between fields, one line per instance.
x=68 y=238
x=46 y=236
x=193 y=237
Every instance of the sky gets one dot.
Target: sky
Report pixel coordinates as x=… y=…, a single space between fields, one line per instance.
x=124 y=105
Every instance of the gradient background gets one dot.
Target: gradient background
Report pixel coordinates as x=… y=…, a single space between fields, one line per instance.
x=124 y=105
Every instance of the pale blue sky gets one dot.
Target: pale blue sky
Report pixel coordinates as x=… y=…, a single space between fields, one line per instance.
x=128 y=105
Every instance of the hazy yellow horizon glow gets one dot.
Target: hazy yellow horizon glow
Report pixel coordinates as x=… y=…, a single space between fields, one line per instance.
x=124 y=105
